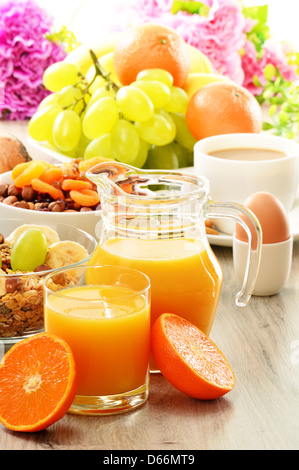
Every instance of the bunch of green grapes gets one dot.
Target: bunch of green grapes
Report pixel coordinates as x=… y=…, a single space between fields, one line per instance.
x=142 y=124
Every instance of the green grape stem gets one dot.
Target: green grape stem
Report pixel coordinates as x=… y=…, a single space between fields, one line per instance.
x=99 y=72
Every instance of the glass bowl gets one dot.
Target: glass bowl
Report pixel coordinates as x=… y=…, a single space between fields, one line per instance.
x=21 y=294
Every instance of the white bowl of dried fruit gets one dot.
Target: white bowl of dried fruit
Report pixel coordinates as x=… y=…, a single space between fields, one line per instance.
x=42 y=192
x=28 y=252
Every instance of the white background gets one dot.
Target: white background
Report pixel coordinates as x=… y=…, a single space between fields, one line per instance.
x=93 y=18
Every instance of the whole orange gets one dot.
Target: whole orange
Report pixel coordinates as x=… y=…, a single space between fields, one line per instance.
x=223 y=108
x=150 y=46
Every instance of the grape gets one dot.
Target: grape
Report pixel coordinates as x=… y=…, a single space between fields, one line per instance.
x=160 y=75
x=67 y=130
x=71 y=97
x=134 y=103
x=158 y=130
x=178 y=101
x=29 y=251
x=183 y=134
x=162 y=157
x=100 y=147
x=100 y=93
x=68 y=95
x=141 y=157
x=158 y=92
x=125 y=142
x=50 y=99
x=100 y=117
x=41 y=123
x=81 y=146
x=182 y=154
x=59 y=75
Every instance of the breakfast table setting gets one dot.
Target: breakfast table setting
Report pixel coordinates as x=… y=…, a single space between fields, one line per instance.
x=149 y=235
x=261 y=341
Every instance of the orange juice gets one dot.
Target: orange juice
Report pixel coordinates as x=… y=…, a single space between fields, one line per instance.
x=185 y=276
x=107 y=328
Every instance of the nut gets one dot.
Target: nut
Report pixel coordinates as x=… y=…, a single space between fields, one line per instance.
x=57 y=206
x=13 y=283
x=13 y=190
x=2 y=239
x=28 y=193
x=3 y=189
x=41 y=205
x=60 y=278
x=41 y=268
x=10 y=200
x=21 y=204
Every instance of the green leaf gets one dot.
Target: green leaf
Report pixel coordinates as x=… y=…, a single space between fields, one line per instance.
x=256 y=81
x=260 y=32
x=289 y=134
x=259 y=13
x=190 y=7
x=267 y=126
x=270 y=72
x=272 y=109
x=277 y=100
x=64 y=37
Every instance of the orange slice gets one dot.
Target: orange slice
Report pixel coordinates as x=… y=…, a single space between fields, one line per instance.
x=38 y=382
x=188 y=359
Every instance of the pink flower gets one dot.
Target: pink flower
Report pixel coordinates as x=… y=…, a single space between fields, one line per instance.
x=273 y=54
x=25 y=53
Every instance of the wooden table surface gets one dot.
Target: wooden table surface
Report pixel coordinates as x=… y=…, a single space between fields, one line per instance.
x=260 y=341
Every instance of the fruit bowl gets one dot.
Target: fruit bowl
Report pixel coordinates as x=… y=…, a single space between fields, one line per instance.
x=21 y=293
x=45 y=148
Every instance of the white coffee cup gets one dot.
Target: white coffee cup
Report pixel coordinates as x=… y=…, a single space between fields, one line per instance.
x=235 y=180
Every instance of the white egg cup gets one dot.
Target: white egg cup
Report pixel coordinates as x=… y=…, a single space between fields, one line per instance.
x=274 y=269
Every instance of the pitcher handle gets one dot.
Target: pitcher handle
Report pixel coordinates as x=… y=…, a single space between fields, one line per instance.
x=232 y=210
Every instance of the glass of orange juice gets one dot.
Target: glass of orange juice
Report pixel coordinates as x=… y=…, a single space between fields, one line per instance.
x=103 y=313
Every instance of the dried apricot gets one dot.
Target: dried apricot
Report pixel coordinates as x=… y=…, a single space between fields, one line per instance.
x=18 y=169
x=77 y=185
x=31 y=172
x=43 y=187
x=53 y=173
x=85 y=197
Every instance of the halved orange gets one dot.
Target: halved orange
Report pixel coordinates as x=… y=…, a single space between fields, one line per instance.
x=38 y=383
x=188 y=359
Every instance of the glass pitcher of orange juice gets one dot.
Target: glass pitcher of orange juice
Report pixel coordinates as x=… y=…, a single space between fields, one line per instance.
x=154 y=221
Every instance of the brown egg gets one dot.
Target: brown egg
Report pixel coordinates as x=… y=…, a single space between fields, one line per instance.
x=271 y=215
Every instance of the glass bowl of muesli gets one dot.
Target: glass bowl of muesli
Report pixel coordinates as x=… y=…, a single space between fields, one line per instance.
x=28 y=252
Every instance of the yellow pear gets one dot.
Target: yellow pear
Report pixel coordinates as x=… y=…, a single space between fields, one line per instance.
x=195 y=81
x=199 y=62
